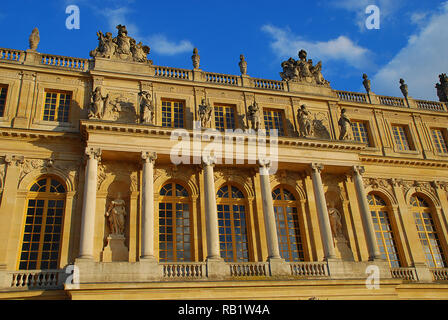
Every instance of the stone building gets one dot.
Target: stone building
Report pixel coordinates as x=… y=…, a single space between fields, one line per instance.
x=352 y=200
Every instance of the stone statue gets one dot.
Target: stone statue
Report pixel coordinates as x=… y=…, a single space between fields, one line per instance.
x=98 y=104
x=116 y=215
x=304 y=120
x=196 y=58
x=335 y=222
x=303 y=70
x=34 y=39
x=253 y=116
x=366 y=83
x=442 y=88
x=243 y=65
x=122 y=47
x=404 y=88
x=345 y=126
x=146 y=107
x=205 y=113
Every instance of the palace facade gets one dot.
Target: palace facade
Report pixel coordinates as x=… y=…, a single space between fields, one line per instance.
x=93 y=205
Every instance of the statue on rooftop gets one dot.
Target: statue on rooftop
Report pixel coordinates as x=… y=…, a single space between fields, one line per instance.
x=366 y=83
x=34 y=39
x=303 y=70
x=404 y=88
x=122 y=47
x=243 y=65
x=196 y=58
x=442 y=88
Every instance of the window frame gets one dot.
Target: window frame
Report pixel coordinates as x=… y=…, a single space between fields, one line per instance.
x=366 y=125
x=57 y=107
x=283 y=121
x=6 y=88
x=444 y=135
x=172 y=117
x=225 y=107
x=407 y=134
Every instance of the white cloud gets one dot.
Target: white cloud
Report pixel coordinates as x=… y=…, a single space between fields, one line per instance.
x=286 y=44
x=163 y=46
x=420 y=62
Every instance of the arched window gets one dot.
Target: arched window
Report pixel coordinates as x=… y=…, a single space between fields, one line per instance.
x=233 y=241
x=43 y=225
x=175 y=229
x=383 y=230
x=427 y=232
x=288 y=229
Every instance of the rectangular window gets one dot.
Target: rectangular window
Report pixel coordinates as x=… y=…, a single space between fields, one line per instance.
x=173 y=114
x=273 y=119
x=438 y=137
x=360 y=132
x=224 y=117
x=401 y=137
x=3 y=92
x=57 y=106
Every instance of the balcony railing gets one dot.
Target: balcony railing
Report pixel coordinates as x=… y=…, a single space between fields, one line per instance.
x=439 y=274
x=309 y=269
x=269 y=84
x=184 y=270
x=352 y=96
x=391 y=101
x=249 y=269
x=65 y=62
x=404 y=273
x=38 y=279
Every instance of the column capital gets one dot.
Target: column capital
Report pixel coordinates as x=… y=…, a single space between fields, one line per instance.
x=358 y=170
x=93 y=153
x=149 y=156
x=317 y=167
x=208 y=160
x=14 y=160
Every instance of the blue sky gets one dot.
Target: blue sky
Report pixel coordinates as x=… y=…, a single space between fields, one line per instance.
x=412 y=42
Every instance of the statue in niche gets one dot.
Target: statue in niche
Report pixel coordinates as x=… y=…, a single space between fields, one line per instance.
x=146 y=107
x=366 y=83
x=335 y=221
x=345 y=126
x=116 y=216
x=304 y=120
x=243 y=65
x=303 y=70
x=34 y=39
x=442 y=88
x=205 y=113
x=196 y=58
x=98 y=104
x=253 y=116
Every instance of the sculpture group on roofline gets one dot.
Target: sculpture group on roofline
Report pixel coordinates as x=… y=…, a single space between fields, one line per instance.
x=122 y=47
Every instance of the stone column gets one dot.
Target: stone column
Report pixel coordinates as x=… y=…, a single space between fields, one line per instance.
x=89 y=204
x=372 y=245
x=148 y=205
x=268 y=210
x=211 y=213
x=322 y=210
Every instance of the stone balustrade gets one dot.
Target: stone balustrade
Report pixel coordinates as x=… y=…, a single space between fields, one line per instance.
x=439 y=274
x=189 y=270
x=12 y=55
x=404 y=273
x=248 y=269
x=37 y=279
x=431 y=105
x=174 y=73
x=269 y=84
x=352 y=96
x=221 y=78
x=65 y=62
x=392 y=101
x=309 y=269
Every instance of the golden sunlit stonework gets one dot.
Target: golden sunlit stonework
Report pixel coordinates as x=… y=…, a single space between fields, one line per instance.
x=93 y=206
